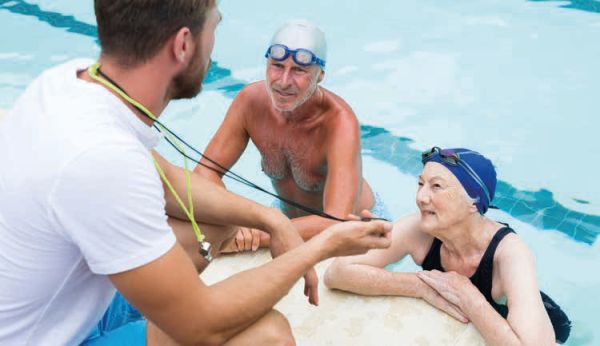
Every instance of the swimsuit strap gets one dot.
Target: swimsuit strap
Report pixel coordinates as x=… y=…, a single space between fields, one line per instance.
x=432 y=260
x=482 y=278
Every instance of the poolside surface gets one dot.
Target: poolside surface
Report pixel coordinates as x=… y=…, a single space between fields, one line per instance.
x=348 y=319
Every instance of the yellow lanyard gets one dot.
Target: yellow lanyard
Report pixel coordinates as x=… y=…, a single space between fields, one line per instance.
x=93 y=72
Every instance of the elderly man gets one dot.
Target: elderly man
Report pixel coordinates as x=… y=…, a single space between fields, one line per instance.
x=82 y=207
x=308 y=137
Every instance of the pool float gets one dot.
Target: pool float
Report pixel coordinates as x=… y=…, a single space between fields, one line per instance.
x=348 y=319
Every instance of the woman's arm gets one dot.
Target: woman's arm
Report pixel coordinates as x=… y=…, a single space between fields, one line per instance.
x=527 y=322
x=365 y=274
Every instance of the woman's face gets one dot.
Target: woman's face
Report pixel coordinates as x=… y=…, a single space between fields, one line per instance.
x=441 y=199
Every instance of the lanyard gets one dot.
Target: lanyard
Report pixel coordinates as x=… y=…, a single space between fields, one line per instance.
x=95 y=73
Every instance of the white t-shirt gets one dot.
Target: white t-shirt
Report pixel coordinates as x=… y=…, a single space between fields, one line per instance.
x=79 y=199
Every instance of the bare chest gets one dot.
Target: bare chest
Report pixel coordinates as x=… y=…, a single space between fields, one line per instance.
x=293 y=155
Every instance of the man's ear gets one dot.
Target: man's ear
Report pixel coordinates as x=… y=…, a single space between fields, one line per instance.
x=321 y=76
x=183 y=46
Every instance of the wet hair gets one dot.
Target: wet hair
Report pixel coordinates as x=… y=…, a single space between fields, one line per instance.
x=133 y=31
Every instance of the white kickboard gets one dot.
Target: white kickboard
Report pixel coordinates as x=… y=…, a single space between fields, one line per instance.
x=348 y=319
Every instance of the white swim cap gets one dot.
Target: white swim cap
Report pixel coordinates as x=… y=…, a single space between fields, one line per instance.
x=301 y=33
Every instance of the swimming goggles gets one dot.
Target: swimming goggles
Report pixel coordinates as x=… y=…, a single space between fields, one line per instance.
x=301 y=56
x=453 y=158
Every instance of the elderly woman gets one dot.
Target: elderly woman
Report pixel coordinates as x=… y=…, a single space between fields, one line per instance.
x=475 y=269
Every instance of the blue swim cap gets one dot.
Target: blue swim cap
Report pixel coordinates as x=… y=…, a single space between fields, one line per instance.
x=475 y=172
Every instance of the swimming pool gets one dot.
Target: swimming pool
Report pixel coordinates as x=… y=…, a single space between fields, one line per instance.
x=513 y=79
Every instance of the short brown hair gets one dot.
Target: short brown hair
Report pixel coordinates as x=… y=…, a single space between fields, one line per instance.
x=133 y=31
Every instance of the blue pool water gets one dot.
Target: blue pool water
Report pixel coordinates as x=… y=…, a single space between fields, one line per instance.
x=516 y=80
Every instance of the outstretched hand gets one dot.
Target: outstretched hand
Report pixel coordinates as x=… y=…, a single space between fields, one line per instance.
x=356 y=237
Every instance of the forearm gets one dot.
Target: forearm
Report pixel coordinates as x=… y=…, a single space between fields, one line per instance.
x=491 y=325
x=372 y=281
x=309 y=226
x=193 y=313
x=306 y=226
x=251 y=294
x=213 y=204
x=209 y=173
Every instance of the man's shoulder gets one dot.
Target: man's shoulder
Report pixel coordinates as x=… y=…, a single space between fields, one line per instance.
x=252 y=92
x=341 y=117
x=338 y=107
x=251 y=100
x=65 y=72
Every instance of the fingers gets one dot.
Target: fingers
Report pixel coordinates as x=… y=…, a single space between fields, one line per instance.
x=430 y=279
x=379 y=228
x=311 y=287
x=255 y=239
x=366 y=214
x=239 y=240
x=381 y=243
x=448 y=300
x=247 y=244
x=442 y=304
x=352 y=217
x=247 y=239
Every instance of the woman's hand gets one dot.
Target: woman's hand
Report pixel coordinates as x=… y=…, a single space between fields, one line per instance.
x=431 y=296
x=454 y=289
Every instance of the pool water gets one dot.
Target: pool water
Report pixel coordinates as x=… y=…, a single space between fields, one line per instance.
x=516 y=80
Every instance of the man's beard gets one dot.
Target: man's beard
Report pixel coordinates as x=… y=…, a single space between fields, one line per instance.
x=299 y=102
x=186 y=85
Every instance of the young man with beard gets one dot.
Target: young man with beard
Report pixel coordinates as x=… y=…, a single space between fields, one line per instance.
x=308 y=137
x=82 y=207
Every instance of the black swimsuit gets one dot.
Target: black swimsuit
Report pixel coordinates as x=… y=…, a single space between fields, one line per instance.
x=482 y=279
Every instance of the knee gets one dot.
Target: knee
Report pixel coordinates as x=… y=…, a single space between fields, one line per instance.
x=278 y=330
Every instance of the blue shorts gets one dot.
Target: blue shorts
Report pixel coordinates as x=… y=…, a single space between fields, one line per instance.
x=122 y=324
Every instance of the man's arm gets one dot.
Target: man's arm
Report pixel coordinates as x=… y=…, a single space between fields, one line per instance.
x=344 y=180
x=365 y=274
x=169 y=293
x=230 y=141
x=213 y=204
